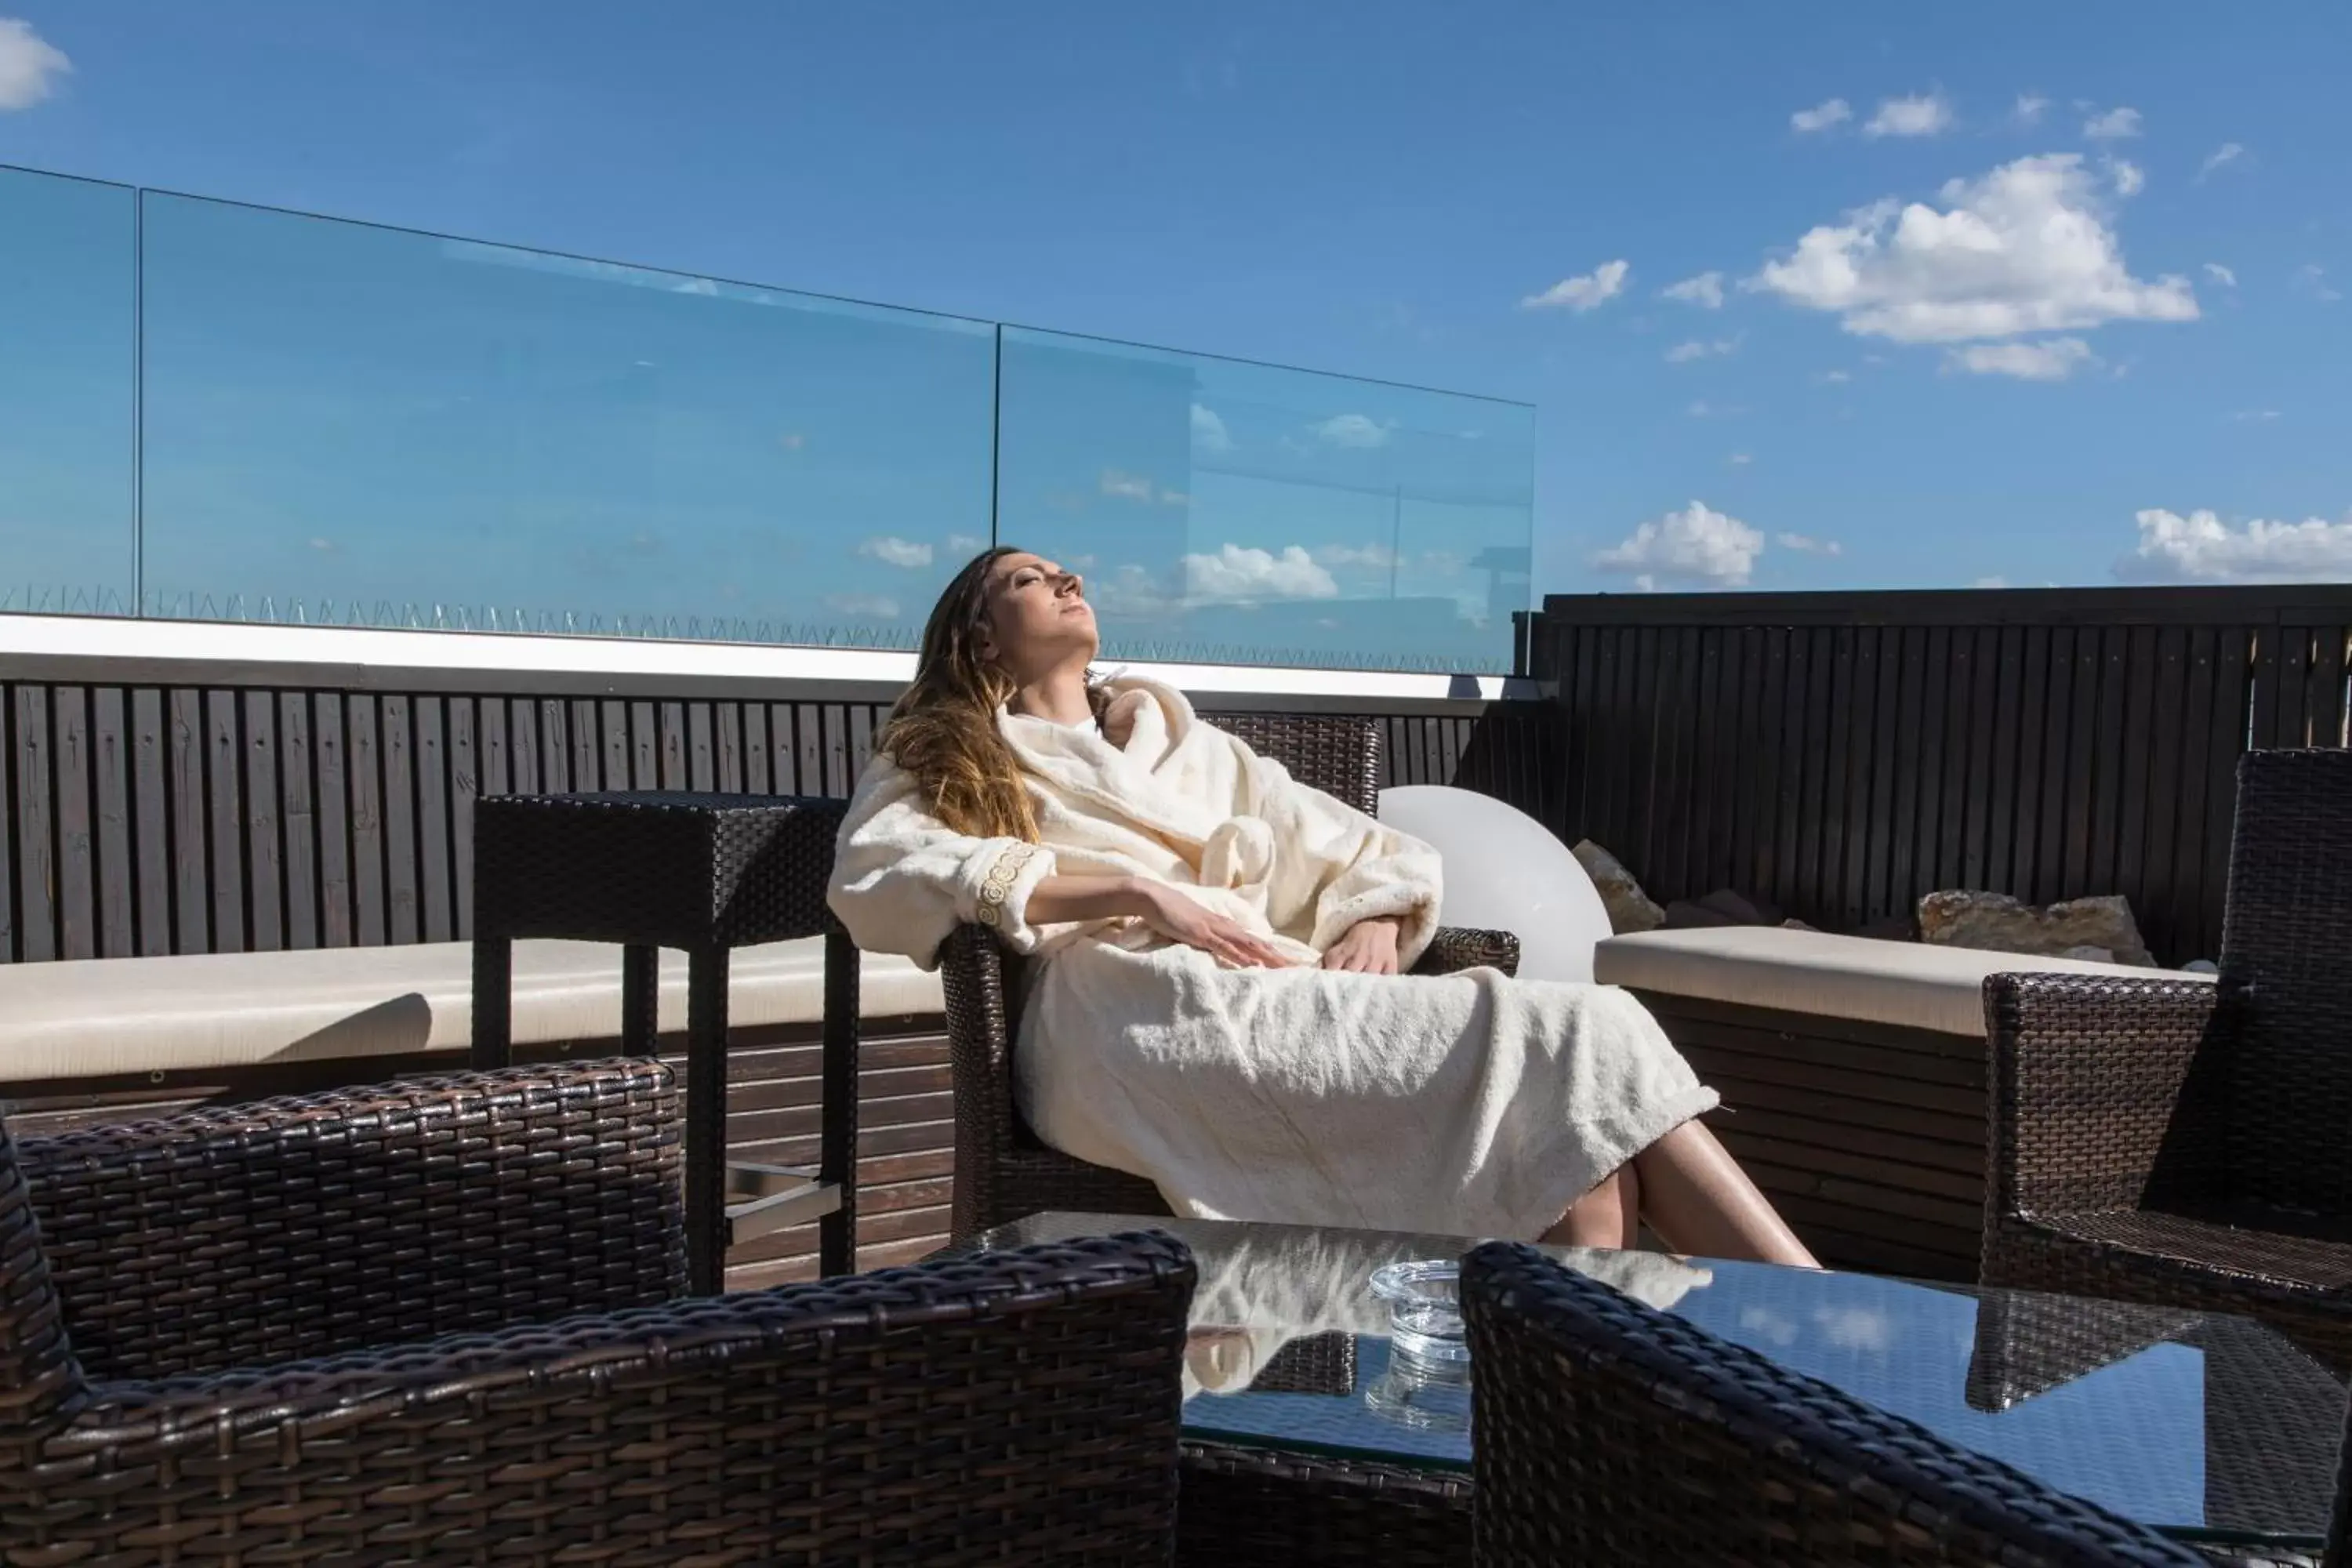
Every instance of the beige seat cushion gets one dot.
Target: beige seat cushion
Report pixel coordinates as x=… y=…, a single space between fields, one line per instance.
x=99 y=1016
x=1903 y=982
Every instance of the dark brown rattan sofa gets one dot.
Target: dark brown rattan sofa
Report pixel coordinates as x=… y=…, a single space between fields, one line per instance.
x=436 y=1321
x=2182 y=1144
x=1241 y=1506
x=1606 y=1432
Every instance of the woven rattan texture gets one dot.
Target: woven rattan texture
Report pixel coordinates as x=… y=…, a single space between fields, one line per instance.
x=1248 y=1508
x=1608 y=1433
x=2286 y=930
x=1317 y=1363
x=1003 y=1172
x=668 y=869
x=1020 y=1408
x=302 y=1226
x=2164 y=1143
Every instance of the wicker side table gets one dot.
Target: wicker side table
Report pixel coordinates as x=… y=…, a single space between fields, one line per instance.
x=705 y=873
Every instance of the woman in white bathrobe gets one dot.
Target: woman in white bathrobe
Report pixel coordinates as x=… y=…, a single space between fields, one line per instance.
x=1219 y=1003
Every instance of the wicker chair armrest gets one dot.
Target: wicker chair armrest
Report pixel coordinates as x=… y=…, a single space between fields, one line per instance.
x=2098 y=1091
x=1456 y=948
x=783 y=1422
x=305 y=1225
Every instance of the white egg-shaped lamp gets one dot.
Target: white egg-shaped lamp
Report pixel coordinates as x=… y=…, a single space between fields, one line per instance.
x=1506 y=871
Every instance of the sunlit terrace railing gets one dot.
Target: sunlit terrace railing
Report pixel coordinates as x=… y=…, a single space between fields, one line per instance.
x=220 y=412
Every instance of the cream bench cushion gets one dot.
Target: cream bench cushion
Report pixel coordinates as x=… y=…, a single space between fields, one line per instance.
x=96 y=1017
x=1908 y=984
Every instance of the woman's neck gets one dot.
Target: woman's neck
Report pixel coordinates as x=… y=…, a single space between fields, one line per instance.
x=1059 y=698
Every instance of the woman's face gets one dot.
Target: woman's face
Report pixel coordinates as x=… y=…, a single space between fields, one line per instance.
x=1037 y=618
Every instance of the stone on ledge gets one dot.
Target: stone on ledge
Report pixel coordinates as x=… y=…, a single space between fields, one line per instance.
x=1995 y=922
x=1629 y=909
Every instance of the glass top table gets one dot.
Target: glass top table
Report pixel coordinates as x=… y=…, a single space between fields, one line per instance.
x=2208 y=1427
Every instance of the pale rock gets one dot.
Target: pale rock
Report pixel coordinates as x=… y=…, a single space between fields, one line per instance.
x=2089 y=954
x=2200 y=966
x=1995 y=922
x=1629 y=909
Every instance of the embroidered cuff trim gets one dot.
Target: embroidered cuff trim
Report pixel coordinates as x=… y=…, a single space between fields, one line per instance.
x=1001 y=878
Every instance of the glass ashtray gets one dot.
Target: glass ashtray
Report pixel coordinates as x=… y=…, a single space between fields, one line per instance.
x=1424 y=1310
x=1433 y=1400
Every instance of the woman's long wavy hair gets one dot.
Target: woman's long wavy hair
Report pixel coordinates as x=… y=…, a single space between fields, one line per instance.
x=943 y=730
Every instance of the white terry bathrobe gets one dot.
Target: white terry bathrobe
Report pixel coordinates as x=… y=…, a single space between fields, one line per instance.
x=1470 y=1103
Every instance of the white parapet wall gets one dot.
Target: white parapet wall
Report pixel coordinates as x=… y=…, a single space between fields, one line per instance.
x=366 y=658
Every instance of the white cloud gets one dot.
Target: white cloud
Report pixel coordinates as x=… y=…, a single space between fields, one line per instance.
x=1683 y=354
x=1705 y=292
x=896 y=551
x=2201 y=548
x=2221 y=157
x=1821 y=116
x=1584 y=293
x=1239 y=575
x=1923 y=114
x=2313 y=278
x=1360 y=432
x=863 y=606
x=1740 y=459
x=1837 y=377
x=2115 y=125
x=2253 y=415
x=2221 y=275
x=1362 y=556
x=1989 y=583
x=29 y=65
x=1209 y=433
x=2130 y=177
x=966 y=544
x=1854 y=1328
x=1123 y=487
x=2052 y=359
x=1805 y=545
x=2025 y=249
x=2030 y=109
x=1696 y=545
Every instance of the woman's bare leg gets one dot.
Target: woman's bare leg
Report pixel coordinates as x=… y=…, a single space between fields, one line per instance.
x=1700 y=1202
x=1608 y=1215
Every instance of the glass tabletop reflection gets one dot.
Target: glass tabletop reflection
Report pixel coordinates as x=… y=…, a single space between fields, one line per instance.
x=2206 y=1427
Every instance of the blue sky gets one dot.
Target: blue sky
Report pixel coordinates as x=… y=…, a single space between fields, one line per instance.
x=2054 y=284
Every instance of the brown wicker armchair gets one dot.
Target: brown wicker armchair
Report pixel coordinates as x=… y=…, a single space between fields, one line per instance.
x=1003 y=1171
x=1605 y=1432
x=2183 y=1145
x=433 y=1321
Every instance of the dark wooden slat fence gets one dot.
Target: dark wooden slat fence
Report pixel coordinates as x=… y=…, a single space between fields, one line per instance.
x=154 y=819
x=1842 y=754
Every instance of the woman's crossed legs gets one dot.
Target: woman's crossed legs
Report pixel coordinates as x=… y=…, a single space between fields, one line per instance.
x=1696 y=1197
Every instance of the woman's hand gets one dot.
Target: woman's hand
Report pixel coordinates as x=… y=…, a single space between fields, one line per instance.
x=1368 y=947
x=1194 y=924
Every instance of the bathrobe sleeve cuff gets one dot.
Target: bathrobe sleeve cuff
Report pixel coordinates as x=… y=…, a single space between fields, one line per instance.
x=1412 y=904
x=993 y=888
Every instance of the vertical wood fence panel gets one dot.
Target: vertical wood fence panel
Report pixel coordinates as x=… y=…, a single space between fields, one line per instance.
x=204 y=819
x=1842 y=754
